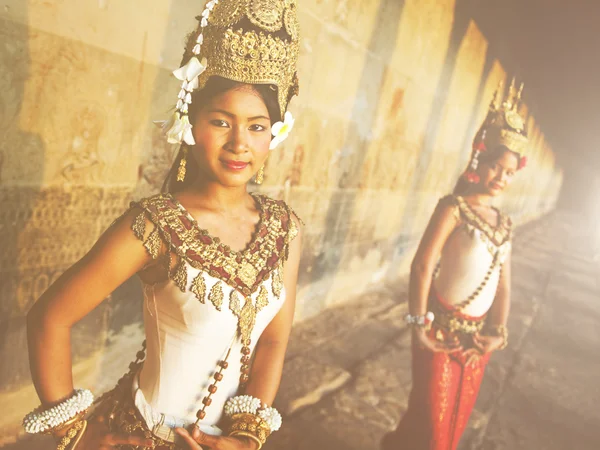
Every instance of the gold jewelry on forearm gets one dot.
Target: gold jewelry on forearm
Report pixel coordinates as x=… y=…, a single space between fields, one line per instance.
x=57 y=431
x=501 y=331
x=79 y=436
x=74 y=431
x=249 y=423
x=248 y=435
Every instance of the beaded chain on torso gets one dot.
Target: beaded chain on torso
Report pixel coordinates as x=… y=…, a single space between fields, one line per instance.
x=495 y=237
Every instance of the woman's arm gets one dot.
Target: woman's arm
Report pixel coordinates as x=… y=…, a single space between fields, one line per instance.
x=270 y=350
x=116 y=256
x=441 y=225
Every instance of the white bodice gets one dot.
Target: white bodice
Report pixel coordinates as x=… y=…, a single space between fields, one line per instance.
x=465 y=260
x=200 y=316
x=186 y=340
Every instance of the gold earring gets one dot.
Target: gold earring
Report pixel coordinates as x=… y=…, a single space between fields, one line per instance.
x=260 y=175
x=182 y=164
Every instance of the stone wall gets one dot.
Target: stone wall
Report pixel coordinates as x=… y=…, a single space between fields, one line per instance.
x=392 y=92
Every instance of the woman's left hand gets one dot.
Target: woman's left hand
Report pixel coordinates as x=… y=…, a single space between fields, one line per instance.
x=483 y=344
x=487 y=344
x=198 y=440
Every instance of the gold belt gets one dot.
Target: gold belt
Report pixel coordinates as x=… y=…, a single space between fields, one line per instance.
x=453 y=322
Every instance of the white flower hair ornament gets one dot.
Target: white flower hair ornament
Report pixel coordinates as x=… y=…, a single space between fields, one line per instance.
x=179 y=129
x=281 y=130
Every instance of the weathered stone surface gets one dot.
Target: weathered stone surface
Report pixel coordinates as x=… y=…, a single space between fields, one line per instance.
x=357 y=344
x=306 y=381
x=383 y=381
x=338 y=320
x=395 y=316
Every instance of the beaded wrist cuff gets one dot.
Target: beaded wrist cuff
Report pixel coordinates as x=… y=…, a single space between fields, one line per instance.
x=41 y=421
x=423 y=321
x=247 y=404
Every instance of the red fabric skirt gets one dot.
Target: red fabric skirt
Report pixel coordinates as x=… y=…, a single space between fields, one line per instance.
x=443 y=394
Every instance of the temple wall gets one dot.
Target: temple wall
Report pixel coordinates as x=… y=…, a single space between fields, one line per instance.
x=392 y=92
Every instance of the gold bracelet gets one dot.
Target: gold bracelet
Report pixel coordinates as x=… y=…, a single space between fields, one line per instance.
x=250 y=423
x=501 y=331
x=65 y=426
x=79 y=436
x=67 y=438
x=248 y=435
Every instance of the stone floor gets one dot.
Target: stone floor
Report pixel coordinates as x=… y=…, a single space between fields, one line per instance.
x=347 y=375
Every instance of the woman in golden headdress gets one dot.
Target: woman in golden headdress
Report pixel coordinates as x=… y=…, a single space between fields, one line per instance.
x=218 y=265
x=459 y=294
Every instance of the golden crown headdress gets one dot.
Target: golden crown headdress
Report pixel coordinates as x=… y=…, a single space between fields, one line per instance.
x=502 y=126
x=249 y=41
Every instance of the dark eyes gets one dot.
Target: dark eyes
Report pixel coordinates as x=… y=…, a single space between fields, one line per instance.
x=223 y=124
x=498 y=168
x=219 y=123
x=257 y=127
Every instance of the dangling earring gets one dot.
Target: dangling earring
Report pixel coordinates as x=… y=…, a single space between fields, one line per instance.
x=260 y=175
x=182 y=164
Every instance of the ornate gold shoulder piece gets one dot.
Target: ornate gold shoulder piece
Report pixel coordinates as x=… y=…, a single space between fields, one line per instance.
x=452 y=201
x=283 y=215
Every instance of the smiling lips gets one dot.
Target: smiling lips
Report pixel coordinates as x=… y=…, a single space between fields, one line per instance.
x=235 y=165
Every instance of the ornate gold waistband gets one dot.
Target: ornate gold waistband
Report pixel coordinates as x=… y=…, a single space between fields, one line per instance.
x=455 y=322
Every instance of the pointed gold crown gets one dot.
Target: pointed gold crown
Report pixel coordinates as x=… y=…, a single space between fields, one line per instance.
x=503 y=124
x=251 y=41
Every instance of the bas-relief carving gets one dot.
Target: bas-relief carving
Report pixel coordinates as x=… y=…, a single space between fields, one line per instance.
x=81 y=162
x=44 y=232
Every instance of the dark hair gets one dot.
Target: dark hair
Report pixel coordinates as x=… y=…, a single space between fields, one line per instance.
x=462 y=185
x=215 y=86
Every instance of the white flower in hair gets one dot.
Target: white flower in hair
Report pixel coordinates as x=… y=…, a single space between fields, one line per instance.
x=190 y=72
x=188 y=137
x=281 y=130
x=180 y=130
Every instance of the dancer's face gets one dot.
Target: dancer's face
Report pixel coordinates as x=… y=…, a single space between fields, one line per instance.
x=497 y=174
x=232 y=134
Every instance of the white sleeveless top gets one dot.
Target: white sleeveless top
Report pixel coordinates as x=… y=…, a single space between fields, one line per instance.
x=468 y=255
x=192 y=320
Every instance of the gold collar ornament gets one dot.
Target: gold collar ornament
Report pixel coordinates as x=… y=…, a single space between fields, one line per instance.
x=502 y=126
x=248 y=41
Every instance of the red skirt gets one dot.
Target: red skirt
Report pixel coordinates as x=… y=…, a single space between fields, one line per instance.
x=444 y=390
